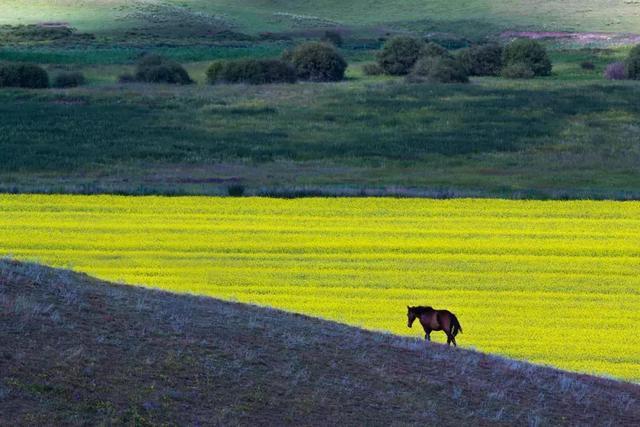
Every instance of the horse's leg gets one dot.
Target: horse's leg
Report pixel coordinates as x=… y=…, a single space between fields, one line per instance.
x=451 y=339
x=451 y=330
x=445 y=322
x=427 y=335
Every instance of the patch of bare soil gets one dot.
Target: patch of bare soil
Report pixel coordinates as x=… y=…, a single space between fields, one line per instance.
x=54 y=24
x=581 y=38
x=78 y=351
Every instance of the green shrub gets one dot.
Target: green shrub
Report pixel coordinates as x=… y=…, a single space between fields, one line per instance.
x=439 y=69
x=635 y=51
x=23 y=75
x=318 y=62
x=372 y=69
x=9 y=75
x=157 y=69
x=214 y=72
x=433 y=49
x=234 y=71
x=482 y=60
x=400 y=54
x=333 y=37
x=33 y=76
x=251 y=71
x=275 y=71
x=518 y=71
x=633 y=63
x=530 y=52
x=69 y=79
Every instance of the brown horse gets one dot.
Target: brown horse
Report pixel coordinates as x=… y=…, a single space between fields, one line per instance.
x=435 y=320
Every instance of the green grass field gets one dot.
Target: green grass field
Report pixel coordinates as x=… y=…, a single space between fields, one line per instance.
x=254 y=16
x=550 y=282
x=570 y=135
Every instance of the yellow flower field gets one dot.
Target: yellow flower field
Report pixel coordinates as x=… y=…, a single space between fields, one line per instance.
x=551 y=282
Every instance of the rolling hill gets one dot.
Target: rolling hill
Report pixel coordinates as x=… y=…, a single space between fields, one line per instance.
x=254 y=16
x=77 y=351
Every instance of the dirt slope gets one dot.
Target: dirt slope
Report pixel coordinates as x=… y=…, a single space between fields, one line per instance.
x=77 y=351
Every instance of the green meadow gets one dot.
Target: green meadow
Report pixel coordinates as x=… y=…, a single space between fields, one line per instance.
x=255 y=16
x=569 y=135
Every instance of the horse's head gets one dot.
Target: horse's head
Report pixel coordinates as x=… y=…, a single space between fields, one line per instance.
x=411 y=316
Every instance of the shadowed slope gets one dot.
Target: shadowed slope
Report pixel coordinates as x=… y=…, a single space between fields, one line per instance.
x=74 y=350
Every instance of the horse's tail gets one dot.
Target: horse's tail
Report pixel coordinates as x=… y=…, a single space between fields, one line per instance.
x=455 y=325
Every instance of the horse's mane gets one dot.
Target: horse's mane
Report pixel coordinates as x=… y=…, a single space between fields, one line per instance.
x=421 y=310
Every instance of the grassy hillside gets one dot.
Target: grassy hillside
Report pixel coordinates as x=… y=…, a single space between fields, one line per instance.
x=76 y=351
x=526 y=278
x=255 y=16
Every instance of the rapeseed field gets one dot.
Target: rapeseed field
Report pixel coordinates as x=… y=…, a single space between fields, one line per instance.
x=551 y=282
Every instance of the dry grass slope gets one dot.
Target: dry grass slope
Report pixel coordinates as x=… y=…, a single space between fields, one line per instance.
x=75 y=351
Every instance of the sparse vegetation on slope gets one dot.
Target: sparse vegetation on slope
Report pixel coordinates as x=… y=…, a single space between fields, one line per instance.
x=76 y=351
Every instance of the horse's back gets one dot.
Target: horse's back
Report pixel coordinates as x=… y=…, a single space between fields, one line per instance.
x=445 y=318
x=437 y=320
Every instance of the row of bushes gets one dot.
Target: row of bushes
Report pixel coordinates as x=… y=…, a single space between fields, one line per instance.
x=321 y=62
x=35 y=77
x=417 y=59
x=316 y=62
